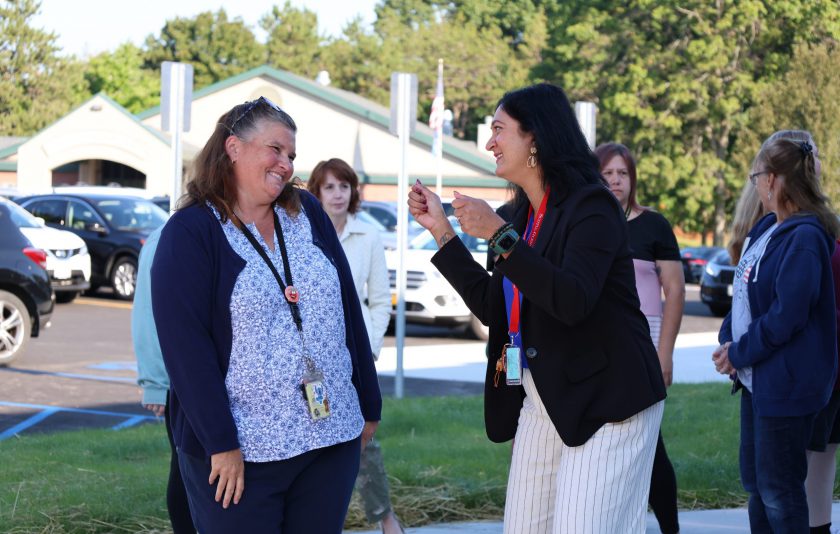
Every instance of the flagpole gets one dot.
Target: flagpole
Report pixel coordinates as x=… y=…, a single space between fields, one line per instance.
x=439 y=131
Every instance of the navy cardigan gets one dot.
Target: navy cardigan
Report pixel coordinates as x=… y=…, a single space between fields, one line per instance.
x=193 y=275
x=791 y=342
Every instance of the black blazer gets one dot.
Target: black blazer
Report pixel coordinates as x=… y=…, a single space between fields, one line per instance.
x=587 y=343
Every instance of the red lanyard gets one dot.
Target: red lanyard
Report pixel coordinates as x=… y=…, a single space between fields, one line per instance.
x=531 y=239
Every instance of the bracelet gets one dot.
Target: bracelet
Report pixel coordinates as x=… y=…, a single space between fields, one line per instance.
x=502 y=229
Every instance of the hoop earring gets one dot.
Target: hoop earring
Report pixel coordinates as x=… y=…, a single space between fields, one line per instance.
x=532 y=159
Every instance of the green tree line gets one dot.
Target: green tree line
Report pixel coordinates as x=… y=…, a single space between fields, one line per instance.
x=691 y=86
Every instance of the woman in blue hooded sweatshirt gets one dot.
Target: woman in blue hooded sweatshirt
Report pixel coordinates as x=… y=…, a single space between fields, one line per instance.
x=780 y=337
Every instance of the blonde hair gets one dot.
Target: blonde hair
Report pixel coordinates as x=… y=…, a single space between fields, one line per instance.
x=749 y=209
x=794 y=162
x=747 y=212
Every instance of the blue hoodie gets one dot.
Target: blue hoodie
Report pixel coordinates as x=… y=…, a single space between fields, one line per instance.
x=791 y=342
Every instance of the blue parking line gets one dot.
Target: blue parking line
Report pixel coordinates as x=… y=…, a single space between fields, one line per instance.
x=26 y=423
x=130 y=422
x=130 y=418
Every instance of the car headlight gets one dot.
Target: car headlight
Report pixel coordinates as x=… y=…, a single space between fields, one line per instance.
x=713 y=269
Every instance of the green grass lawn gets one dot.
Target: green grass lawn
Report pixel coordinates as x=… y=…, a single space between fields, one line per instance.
x=441 y=465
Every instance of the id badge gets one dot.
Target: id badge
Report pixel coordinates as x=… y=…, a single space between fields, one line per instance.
x=316 y=395
x=513 y=366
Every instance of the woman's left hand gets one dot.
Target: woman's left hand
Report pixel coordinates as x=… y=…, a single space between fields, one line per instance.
x=721 y=359
x=229 y=468
x=368 y=432
x=475 y=216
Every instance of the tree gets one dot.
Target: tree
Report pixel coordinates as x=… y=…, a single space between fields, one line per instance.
x=410 y=36
x=806 y=98
x=36 y=85
x=120 y=75
x=216 y=47
x=293 y=43
x=360 y=62
x=675 y=79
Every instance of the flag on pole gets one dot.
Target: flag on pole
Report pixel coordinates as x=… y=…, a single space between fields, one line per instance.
x=436 y=115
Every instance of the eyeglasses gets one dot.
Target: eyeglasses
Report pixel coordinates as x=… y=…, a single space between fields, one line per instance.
x=755 y=175
x=249 y=106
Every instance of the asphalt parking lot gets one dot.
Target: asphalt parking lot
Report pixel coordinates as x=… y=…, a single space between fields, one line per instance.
x=81 y=372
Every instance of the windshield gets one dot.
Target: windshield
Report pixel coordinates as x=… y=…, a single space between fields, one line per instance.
x=425 y=241
x=364 y=216
x=131 y=214
x=20 y=217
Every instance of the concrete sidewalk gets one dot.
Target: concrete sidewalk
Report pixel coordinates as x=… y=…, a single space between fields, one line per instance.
x=695 y=522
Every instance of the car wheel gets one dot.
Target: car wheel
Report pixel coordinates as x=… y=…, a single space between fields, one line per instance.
x=15 y=327
x=124 y=278
x=65 y=297
x=718 y=310
x=478 y=330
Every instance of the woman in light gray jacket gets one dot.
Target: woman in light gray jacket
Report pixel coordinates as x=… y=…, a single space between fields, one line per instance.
x=336 y=185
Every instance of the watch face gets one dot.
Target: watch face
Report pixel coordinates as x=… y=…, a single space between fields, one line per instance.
x=506 y=241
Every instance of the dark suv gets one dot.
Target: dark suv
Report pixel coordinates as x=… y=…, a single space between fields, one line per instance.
x=26 y=297
x=113 y=226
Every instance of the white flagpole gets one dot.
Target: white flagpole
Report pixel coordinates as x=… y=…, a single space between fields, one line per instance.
x=439 y=130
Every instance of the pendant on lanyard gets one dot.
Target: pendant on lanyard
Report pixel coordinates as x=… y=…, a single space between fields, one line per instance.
x=312 y=381
x=510 y=361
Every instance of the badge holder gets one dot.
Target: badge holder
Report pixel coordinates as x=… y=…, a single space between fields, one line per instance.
x=513 y=365
x=315 y=392
x=509 y=363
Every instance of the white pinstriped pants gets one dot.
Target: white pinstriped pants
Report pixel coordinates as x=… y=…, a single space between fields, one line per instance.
x=599 y=487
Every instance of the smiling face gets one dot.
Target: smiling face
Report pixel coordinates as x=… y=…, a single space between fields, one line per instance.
x=617 y=174
x=263 y=162
x=510 y=146
x=335 y=195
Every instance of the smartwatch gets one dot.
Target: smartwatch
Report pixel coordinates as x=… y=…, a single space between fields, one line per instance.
x=505 y=241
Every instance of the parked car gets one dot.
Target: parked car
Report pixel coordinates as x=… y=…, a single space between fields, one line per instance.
x=114 y=227
x=694 y=260
x=162 y=201
x=26 y=298
x=716 y=284
x=429 y=298
x=386 y=214
x=68 y=260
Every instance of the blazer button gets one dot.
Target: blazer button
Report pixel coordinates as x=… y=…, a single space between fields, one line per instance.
x=531 y=352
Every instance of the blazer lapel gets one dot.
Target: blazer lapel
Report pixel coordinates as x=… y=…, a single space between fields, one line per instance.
x=552 y=216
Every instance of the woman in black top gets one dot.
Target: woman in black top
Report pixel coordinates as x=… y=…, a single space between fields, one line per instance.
x=656 y=259
x=585 y=407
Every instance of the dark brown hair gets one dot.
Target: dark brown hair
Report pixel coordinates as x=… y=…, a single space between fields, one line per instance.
x=342 y=172
x=605 y=152
x=212 y=177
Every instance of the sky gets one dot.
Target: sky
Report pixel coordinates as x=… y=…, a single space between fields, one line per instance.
x=87 y=27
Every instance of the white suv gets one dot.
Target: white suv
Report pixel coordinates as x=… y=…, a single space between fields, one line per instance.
x=429 y=299
x=68 y=260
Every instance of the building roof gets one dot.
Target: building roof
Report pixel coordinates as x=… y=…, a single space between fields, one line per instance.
x=366 y=109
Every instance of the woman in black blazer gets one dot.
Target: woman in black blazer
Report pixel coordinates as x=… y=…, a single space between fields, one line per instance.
x=573 y=374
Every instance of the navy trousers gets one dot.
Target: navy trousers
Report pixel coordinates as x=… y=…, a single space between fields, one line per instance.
x=176 y=495
x=305 y=494
x=773 y=469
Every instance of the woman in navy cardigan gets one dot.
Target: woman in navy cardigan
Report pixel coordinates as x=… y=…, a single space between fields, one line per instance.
x=273 y=386
x=780 y=337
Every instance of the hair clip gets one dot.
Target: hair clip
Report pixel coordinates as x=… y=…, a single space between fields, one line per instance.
x=806 y=148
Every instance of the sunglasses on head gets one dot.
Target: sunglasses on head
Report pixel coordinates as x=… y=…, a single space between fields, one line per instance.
x=249 y=107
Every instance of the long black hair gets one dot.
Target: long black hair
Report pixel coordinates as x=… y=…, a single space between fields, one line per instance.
x=565 y=158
